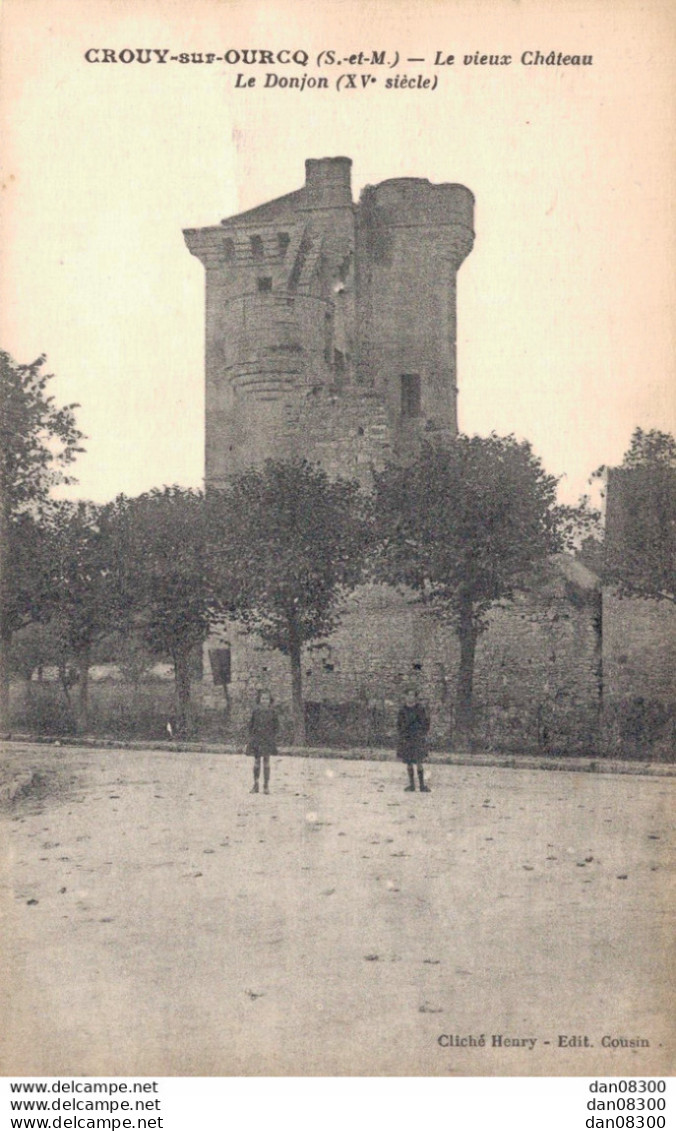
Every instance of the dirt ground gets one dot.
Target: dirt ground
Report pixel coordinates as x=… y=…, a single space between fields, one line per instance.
x=160 y=920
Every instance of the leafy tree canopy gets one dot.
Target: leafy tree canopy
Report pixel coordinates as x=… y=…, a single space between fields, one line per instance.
x=84 y=603
x=640 y=542
x=300 y=545
x=169 y=579
x=290 y=543
x=465 y=523
x=38 y=440
x=650 y=449
x=169 y=568
x=25 y=576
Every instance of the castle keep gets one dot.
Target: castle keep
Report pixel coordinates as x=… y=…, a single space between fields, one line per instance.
x=330 y=325
x=331 y=333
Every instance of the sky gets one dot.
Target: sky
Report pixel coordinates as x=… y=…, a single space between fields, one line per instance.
x=565 y=305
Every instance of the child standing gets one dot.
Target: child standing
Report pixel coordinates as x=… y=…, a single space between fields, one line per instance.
x=413 y=723
x=263 y=728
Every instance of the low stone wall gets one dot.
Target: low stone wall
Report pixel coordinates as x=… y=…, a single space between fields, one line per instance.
x=639 y=649
x=537 y=672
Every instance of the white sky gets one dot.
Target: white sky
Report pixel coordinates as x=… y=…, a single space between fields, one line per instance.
x=566 y=304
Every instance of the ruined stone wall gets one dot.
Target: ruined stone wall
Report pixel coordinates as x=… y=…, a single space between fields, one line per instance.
x=639 y=645
x=537 y=678
x=639 y=654
x=347 y=433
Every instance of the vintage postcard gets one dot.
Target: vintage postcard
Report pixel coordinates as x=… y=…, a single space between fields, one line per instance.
x=339 y=734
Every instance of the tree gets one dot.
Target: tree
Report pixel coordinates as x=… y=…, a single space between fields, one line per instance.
x=463 y=525
x=85 y=604
x=38 y=441
x=301 y=544
x=24 y=577
x=640 y=541
x=169 y=581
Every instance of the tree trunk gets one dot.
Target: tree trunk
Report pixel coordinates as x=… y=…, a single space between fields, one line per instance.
x=64 y=680
x=464 y=713
x=5 y=645
x=182 y=680
x=297 y=706
x=83 y=665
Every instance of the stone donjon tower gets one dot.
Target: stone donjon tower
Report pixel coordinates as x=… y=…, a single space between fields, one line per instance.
x=330 y=325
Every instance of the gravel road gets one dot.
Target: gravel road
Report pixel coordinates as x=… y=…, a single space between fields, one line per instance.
x=160 y=920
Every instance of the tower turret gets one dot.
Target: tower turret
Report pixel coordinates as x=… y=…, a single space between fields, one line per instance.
x=412 y=238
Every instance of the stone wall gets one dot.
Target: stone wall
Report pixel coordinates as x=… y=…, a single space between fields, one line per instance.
x=639 y=646
x=639 y=635
x=537 y=669
x=639 y=665
x=347 y=433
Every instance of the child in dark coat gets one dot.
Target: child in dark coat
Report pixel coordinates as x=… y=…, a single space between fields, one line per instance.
x=263 y=728
x=413 y=723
